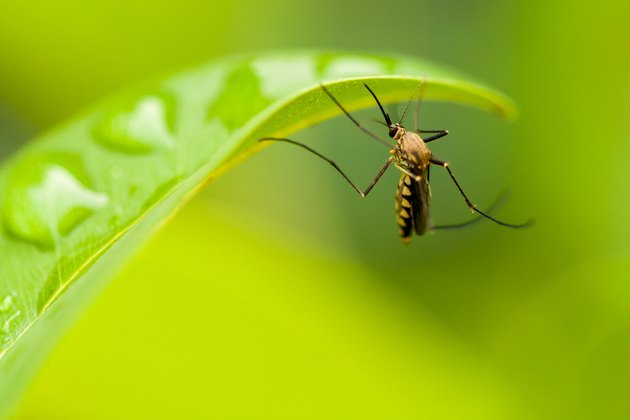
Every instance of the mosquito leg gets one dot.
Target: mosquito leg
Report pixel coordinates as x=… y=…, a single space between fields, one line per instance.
x=378 y=176
x=416 y=115
x=470 y=205
x=500 y=200
x=402 y=117
x=354 y=121
x=439 y=135
x=334 y=165
x=406 y=172
x=458 y=225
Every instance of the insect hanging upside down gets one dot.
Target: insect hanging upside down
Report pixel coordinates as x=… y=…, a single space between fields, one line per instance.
x=413 y=158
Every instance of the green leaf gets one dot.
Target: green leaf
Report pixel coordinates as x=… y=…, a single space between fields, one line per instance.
x=79 y=200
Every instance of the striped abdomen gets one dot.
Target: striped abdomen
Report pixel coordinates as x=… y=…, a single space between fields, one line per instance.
x=412 y=205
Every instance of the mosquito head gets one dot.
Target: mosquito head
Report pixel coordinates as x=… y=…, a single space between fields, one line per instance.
x=396 y=131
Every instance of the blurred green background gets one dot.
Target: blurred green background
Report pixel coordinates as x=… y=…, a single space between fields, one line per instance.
x=279 y=293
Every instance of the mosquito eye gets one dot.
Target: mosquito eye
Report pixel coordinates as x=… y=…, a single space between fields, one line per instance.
x=392 y=132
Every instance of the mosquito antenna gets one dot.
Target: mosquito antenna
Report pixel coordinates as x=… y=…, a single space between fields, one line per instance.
x=417 y=114
x=385 y=114
x=409 y=101
x=357 y=123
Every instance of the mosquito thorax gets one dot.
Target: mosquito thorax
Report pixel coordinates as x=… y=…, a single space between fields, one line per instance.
x=412 y=152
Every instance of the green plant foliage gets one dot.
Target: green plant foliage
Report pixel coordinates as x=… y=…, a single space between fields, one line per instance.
x=76 y=202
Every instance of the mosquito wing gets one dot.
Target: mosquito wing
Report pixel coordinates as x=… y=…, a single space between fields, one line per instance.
x=420 y=204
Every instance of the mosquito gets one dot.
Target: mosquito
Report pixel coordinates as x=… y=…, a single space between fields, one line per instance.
x=411 y=156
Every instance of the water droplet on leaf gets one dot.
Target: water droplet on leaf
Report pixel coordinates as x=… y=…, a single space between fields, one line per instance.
x=143 y=126
x=348 y=66
x=44 y=201
x=6 y=303
x=8 y=325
